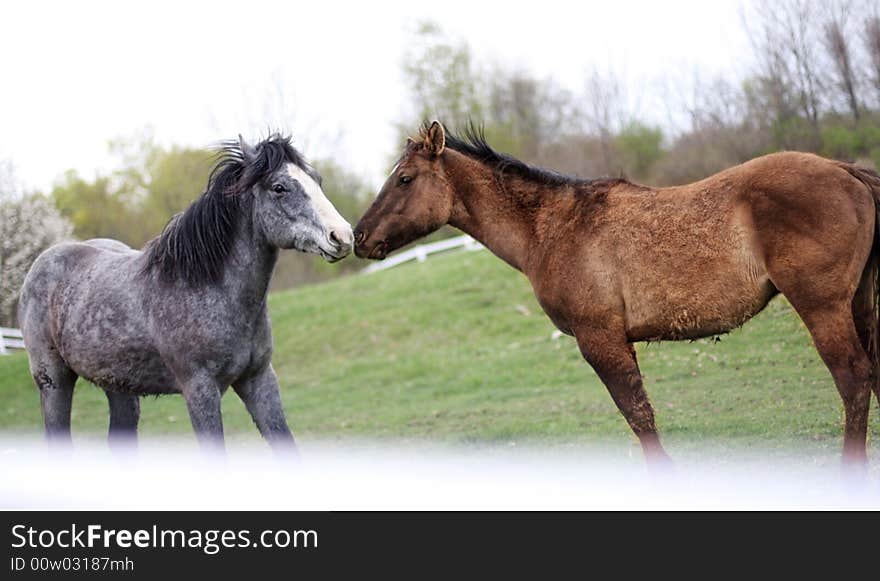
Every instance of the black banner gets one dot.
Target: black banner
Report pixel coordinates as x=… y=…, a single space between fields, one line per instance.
x=148 y=545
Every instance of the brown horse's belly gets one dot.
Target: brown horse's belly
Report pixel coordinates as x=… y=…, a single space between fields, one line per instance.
x=707 y=294
x=678 y=321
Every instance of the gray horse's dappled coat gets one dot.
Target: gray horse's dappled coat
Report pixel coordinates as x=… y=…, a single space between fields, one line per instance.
x=188 y=313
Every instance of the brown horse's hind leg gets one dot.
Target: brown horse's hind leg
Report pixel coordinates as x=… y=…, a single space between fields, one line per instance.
x=865 y=317
x=836 y=339
x=614 y=360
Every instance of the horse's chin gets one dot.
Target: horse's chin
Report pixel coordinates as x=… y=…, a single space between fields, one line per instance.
x=331 y=258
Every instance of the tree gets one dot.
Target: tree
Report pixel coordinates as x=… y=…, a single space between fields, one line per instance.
x=788 y=65
x=97 y=209
x=28 y=226
x=8 y=183
x=640 y=147
x=872 y=47
x=174 y=177
x=526 y=115
x=134 y=202
x=837 y=44
x=440 y=73
x=606 y=113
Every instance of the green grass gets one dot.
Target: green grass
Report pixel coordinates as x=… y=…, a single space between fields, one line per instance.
x=456 y=350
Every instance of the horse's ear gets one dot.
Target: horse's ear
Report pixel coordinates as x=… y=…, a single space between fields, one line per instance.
x=246 y=150
x=435 y=138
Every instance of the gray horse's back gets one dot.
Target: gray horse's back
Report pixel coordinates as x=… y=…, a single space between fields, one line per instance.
x=82 y=302
x=110 y=244
x=59 y=267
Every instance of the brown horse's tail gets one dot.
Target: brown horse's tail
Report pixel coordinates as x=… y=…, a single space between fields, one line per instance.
x=866 y=306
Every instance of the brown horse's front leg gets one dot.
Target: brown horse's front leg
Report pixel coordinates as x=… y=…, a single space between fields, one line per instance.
x=614 y=360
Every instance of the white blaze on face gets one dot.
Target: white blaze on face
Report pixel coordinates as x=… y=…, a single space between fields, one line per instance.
x=330 y=218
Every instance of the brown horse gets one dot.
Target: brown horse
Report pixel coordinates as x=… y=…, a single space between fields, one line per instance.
x=612 y=262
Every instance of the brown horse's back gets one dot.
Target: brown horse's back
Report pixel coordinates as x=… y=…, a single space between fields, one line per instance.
x=701 y=259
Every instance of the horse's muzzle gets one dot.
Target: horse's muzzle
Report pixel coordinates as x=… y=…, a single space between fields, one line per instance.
x=378 y=252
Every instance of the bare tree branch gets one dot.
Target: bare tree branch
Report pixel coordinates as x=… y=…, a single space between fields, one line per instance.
x=837 y=44
x=872 y=47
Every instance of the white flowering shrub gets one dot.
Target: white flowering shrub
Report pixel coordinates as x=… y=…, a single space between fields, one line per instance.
x=28 y=226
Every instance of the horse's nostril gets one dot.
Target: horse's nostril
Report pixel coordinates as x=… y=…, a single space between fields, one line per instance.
x=359 y=236
x=335 y=239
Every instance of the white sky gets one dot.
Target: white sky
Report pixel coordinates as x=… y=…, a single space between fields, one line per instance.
x=76 y=74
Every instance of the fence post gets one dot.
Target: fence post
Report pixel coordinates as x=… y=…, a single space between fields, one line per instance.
x=2 y=344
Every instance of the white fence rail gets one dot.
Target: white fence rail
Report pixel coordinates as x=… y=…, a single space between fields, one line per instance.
x=10 y=339
x=422 y=251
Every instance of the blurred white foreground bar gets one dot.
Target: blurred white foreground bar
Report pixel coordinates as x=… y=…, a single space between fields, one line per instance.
x=176 y=477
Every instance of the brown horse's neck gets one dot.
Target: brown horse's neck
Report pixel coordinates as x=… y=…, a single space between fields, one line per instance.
x=497 y=211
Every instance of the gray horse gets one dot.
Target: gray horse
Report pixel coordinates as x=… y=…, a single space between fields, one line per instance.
x=188 y=313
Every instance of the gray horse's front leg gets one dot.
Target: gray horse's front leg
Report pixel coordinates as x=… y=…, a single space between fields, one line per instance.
x=125 y=412
x=202 y=395
x=262 y=399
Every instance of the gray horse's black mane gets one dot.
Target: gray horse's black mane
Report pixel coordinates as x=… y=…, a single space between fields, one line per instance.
x=195 y=244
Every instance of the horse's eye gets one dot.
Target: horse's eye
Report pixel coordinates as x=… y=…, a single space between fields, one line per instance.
x=405 y=179
x=278 y=188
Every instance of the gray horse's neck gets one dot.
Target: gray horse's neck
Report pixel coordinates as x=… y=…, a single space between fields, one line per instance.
x=249 y=268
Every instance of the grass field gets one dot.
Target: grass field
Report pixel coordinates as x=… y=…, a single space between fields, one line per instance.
x=456 y=350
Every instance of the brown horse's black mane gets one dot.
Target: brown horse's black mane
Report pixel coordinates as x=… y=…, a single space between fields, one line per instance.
x=472 y=143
